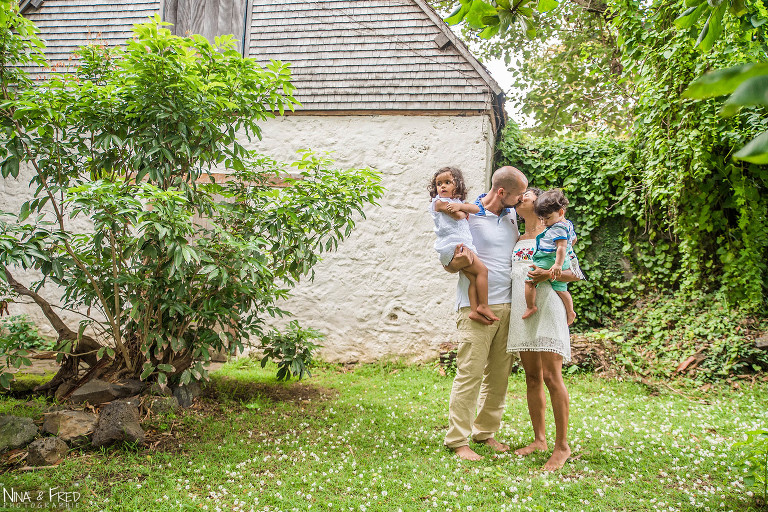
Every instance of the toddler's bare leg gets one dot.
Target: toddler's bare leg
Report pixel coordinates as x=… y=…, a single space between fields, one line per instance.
x=570 y=314
x=478 y=291
x=530 y=300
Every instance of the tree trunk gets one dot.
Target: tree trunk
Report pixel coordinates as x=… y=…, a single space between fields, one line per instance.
x=83 y=349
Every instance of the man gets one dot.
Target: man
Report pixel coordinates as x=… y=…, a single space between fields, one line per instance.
x=482 y=360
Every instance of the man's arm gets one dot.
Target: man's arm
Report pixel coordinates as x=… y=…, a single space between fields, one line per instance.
x=462 y=257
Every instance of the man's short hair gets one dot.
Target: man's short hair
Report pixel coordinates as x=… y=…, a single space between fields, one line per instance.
x=507 y=177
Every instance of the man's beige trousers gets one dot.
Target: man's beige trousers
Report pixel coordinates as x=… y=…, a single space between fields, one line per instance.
x=482 y=376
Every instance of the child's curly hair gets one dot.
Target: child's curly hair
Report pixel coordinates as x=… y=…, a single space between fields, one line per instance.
x=549 y=202
x=458 y=178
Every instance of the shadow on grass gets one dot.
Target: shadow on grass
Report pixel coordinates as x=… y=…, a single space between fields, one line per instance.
x=243 y=389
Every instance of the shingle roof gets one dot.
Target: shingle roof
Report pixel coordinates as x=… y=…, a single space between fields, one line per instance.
x=346 y=55
x=369 y=55
x=65 y=25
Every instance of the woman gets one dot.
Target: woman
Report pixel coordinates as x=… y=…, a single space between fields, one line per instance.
x=543 y=341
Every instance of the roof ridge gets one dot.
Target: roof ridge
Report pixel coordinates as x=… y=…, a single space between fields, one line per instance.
x=460 y=46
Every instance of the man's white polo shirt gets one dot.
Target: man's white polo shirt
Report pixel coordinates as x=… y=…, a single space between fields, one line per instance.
x=495 y=238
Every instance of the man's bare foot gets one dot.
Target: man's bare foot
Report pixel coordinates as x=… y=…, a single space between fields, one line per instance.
x=485 y=310
x=466 y=453
x=570 y=316
x=530 y=311
x=536 y=446
x=477 y=317
x=495 y=445
x=558 y=458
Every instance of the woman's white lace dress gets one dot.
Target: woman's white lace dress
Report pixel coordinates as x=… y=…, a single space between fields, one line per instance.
x=545 y=331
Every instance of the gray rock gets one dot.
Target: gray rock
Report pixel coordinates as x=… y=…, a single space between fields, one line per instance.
x=16 y=432
x=158 y=390
x=95 y=391
x=162 y=404
x=70 y=425
x=186 y=394
x=118 y=421
x=62 y=390
x=46 y=451
x=128 y=387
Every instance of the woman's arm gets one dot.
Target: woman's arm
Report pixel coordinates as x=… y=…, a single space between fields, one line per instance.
x=539 y=275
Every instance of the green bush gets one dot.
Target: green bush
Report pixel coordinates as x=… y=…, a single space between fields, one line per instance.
x=19 y=332
x=292 y=350
x=698 y=338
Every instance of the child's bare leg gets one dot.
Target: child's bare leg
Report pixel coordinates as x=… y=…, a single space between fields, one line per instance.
x=530 y=299
x=478 y=291
x=570 y=314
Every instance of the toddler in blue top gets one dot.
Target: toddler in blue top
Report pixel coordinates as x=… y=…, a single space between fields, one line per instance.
x=552 y=248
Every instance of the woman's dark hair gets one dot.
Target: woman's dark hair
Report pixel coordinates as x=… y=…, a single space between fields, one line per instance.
x=537 y=191
x=458 y=179
x=549 y=202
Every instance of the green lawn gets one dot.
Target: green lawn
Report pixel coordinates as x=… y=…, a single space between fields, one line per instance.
x=371 y=439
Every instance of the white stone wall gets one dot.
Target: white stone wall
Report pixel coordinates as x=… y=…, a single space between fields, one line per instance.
x=384 y=293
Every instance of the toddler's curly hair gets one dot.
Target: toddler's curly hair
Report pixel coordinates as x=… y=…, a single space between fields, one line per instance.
x=458 y=178
x=549 y=202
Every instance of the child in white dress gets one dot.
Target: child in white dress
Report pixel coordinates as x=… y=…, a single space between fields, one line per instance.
x=450 y=212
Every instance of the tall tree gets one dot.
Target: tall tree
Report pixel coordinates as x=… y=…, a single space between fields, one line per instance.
x=567 y=66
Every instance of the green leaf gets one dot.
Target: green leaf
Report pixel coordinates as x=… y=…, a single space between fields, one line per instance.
x=6 y=379
x=148 y=369
x=753 y=91
x=458 y=15
x=547 y=5
x=479 y=9
x=738 y=8
x=756 y=151
x=712 y=29
x=690 y=16
x=723 y=81
x=489 y=31
x=25 y=211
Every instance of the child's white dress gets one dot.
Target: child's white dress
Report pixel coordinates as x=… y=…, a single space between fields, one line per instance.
x=450 y=232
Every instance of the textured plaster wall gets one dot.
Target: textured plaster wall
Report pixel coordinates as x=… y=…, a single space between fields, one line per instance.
x=384 y=293
x=13 y=193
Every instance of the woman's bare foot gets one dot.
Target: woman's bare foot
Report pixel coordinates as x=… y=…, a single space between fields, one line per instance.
x=477 y=317
x=485 y=310
x=466 y=453
x=495 y=445
x=570 y=316
x=558 y=458
x=536 y=446
x=530 y=311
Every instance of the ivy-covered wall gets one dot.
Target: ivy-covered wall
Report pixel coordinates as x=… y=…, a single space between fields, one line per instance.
x=631 y=248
